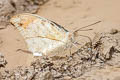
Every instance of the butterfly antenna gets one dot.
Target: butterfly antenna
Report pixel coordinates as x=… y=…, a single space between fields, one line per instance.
x=90 y=40
x=86 y=37
x=80 y=29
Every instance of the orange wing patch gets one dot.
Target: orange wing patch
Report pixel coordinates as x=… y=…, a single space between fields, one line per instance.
x=25 y=20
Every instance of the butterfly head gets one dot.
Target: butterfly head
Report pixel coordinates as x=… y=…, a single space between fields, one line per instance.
x=71 y=37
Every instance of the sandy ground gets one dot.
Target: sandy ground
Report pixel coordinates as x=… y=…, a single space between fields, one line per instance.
x=72 y=14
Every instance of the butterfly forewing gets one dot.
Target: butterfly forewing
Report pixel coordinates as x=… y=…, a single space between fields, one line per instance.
x=40 y=34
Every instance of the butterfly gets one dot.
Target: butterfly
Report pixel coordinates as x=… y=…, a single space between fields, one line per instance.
x=43 y=36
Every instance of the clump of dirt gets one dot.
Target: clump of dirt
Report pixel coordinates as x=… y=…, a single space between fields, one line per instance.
x=30 y=6
x=6 y=9
x=106 y=44
x=3 y=62
x=11 y=7
x=102 y=51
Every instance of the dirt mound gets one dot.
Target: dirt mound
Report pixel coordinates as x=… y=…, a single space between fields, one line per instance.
x=3 y=62
x=99 y=53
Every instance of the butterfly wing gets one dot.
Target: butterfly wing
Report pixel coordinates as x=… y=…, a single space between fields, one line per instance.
x=40 y=34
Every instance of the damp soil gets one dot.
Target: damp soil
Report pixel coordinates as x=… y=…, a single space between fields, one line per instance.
x=102 y=52
x=96 y=59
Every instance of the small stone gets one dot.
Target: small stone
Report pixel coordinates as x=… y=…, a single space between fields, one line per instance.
x=113 y=31
x=3 y=62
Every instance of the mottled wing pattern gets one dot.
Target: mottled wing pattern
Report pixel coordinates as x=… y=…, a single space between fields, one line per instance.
x=40 y=34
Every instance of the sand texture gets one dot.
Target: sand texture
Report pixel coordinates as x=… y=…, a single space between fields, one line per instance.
x=98 y=55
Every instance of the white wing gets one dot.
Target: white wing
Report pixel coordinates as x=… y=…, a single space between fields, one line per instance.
x=41 y=35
